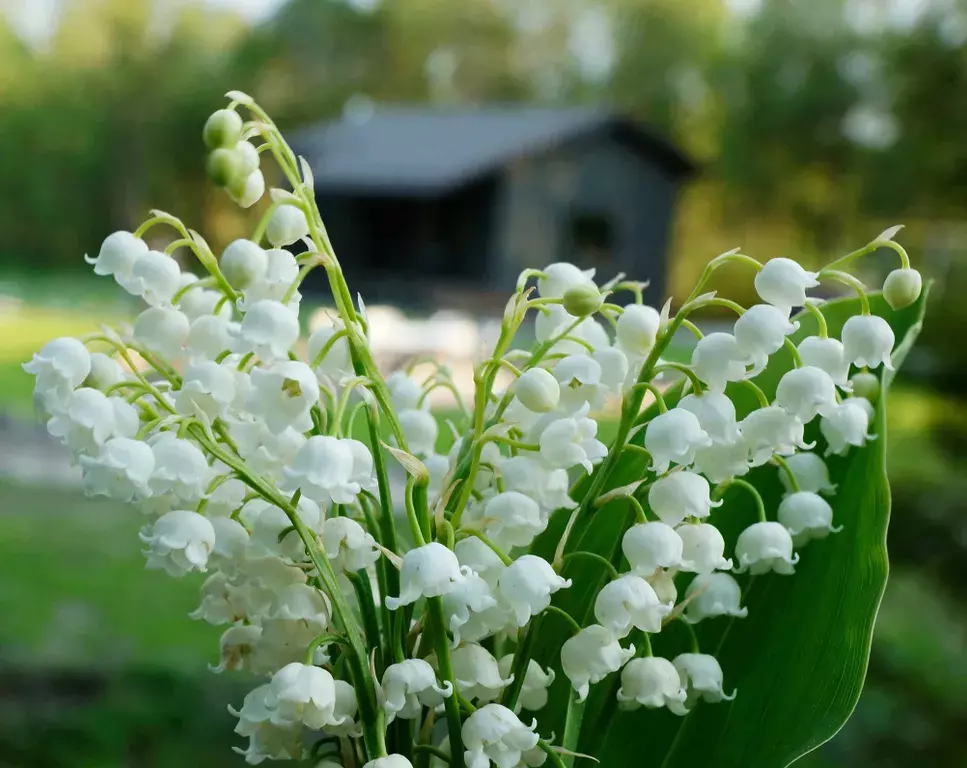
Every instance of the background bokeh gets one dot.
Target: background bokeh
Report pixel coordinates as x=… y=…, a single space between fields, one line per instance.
x=817 y=123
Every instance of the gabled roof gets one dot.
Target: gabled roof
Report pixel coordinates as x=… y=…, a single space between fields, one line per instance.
x=427 y=151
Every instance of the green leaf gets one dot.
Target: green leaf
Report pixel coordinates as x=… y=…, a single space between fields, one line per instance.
x=799 y=659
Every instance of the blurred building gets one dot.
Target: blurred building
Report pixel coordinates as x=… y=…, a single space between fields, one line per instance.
x=430 y=207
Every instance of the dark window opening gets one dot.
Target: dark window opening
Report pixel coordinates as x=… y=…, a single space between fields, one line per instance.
x=592 y=237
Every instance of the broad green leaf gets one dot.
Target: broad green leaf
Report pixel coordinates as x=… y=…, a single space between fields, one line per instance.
x=799 y=659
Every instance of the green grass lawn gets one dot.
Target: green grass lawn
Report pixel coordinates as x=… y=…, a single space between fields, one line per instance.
x=76 y=593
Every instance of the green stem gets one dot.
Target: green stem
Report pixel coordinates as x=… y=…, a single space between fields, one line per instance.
x=784 y=466
x=847 y=279
x=572 y=727
x=757 y=391
x=759 y=503
x=320 y=641
x=602 y=561
x=816 y=312
x=436 y=752
x=466 y=532
x=522 y=657
x=640 y=515
x=434 y=606
x=571 y=621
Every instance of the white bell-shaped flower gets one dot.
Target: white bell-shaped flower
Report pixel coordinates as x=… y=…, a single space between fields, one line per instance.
x=179 y=541
x=180 y=468
x=590 y=656
x=86 y=421
x=283 y=395
x=231 y=543
x=344 y=711
x=472 y=553
x=304 y=694
x=663 y=582
x=679 y=495
x=828 y=355
x=650 y=546
x=243 y=263
x=806 y=392
x=627 y=603
x=494 y=734
x=764 y=547
x=472 y=610
x=571 y=442
x=428 y=571
x=476 y=673
x=723 y=461
x=651 y=682
x=155 y=277
x=718 y=359
x=614 y=368
x=673 y=438
x=713 y=594
x=272 y=532
x=390 y=761
x=163 y=330
x=868 y=341
x=562 y=276
x=783 y=283
x=207 y=390
x=236 y=647
x=771 y=430
x=637 y=329
x=702 y=678
x=266 y=739
x=420 y=429
x=579 y=377
x=61 y=366
x=526 y=586
x=199 y=302
x=806 y=516
x=121 y=470
x=269 y=329
x=810 y=471
x=286 y=226
x=211 y=335
x=409 y=685
x=347 y=545
x=537 y=390
x=715 y=413
x=323 y=471
x=533 y=693
x=404 y=391
x=511 y=519
x=337 y=362
x=117 y=255
x=847 y=425
x=548 y=487
x=762 y=331
x=703 y=549
x=282 y=269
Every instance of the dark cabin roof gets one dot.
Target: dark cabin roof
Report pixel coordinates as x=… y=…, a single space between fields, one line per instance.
x=428 y=151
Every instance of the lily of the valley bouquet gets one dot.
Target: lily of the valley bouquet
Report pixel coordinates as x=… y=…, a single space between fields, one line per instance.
x=463 y=617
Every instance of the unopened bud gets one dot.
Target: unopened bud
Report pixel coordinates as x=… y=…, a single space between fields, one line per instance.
x=223 y=166
x=243 y=263
x=538 y=390
x=582 y=300
x=902 y=287
x=222 y=129
x=866 y=385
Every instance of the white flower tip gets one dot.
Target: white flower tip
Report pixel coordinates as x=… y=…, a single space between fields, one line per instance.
x=888 y=234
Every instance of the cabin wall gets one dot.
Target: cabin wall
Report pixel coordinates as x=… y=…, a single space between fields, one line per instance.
x=596 y=202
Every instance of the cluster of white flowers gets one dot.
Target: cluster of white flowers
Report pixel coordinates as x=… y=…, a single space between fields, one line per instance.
x=237 y=442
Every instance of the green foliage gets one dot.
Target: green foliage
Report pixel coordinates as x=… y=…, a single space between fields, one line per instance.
x=799 y=659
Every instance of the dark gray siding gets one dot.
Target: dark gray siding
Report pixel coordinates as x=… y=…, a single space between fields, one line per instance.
x=597 y=188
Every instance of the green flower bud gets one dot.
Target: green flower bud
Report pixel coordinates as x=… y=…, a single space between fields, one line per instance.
x=582 y=300
x=866 y=385
x=224 y=167
x=222 y=129
x=902 y=287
